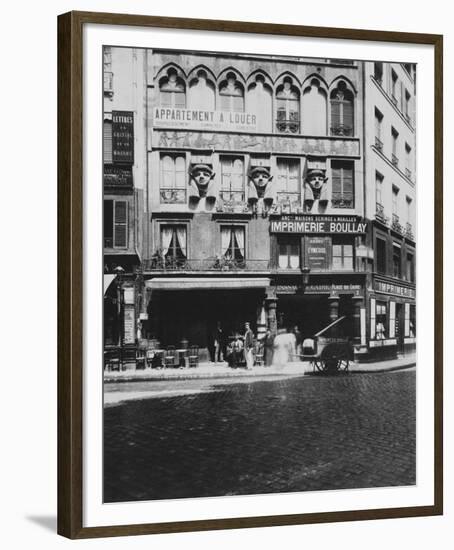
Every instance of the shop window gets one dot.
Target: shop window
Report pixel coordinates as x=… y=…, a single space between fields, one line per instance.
x=410 y=267
x=232 y=179
x=232 y=242
x=173 y=178
x=412 y=331
x=380 y=255
x=172 y=90
x=231 y=94
x=289 y=181
x=381 y=320
x=115 y=224
x=314 y=110
x=341 y=99
x=342 y=254
x=397 y=260
x=342 y=184
x=173 y=242
x=288 y=107
x=289 y=253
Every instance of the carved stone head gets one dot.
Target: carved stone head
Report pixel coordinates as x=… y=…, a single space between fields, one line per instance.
x=260 y=176
x=201 y=174
x=316 y=179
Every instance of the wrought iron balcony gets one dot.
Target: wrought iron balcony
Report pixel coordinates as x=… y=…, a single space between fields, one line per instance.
x=232 y=201
x=218 y=263
x=409 y=232
x=342 y=201
x=378 y=79
x=378 y=144
x=380 y=214
x=408 y=173
x=395 y=225
x=341 y=130
x=172 y=195
x=288 y=123
x=394 y=160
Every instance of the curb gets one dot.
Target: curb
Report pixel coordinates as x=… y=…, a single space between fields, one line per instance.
x=246 y=374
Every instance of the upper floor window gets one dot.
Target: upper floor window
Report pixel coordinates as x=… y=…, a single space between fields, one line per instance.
x=378 y=130
x=394 y=144
x=231 y=94
x=115 y=224
x=232 y=242
x=107 y=150
x=172 y=90
x=378 y=72
x=408 y=160
x=288 y=107
x=410 y=267
x=397 y=271
x=394 y=80
x=341 y=111
x=173 y=178
x=288 y=252
x=173 y=241
x=314 y=109
x=342 y=253
x=259 y=102
x=289 y=181
x=108 y=74
x=232 y=179
x=395 y=203
x=407 y=100
x=380 y=255
x=201 y=92
x=379 y=189
x=342 y=184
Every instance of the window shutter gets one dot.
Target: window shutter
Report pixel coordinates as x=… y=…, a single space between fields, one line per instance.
x=348 y=183
x=107 y=142
x=348 y=115
x=336 y=175
x=120 y=224
x=335 y=113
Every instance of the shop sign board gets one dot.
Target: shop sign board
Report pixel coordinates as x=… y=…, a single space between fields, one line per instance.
x=123 y=136
x=319 y=225
x=319 y=289
x=395 y=289
x=165 y=117
x=129 y=334
x=317 y=250
x=118 y=176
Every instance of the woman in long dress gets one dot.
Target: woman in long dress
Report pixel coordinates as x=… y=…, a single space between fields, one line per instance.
x=284 y=347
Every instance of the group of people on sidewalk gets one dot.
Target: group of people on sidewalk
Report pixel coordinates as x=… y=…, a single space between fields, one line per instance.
x=274 y=349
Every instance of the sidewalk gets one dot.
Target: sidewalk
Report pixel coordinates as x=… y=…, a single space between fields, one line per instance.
x=221 y=370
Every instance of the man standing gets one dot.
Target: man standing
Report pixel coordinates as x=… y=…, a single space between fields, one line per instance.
x=248 y=347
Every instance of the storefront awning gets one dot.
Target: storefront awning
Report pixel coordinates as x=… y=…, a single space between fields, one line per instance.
x=189 y=283
x=108 y=281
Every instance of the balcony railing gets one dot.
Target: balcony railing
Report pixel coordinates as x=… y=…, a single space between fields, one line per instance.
x=378 y=79
x=289 y=202
x=341 y=130
x=171 y=196
x=288 y=123
x=342 y=201
x=380 y=214
x=409 y=232
x=395 y=225
x=219 y=263
x=395 y=160
x=408 y=173
x=394 y=99
x=378 y=143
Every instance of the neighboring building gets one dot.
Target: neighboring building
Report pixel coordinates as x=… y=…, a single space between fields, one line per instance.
x=124 y=178
x=390 y=152
x=266 y=187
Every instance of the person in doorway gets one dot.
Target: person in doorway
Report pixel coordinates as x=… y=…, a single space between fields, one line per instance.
x=236 y=354
x=249 y=347
x=268 y=343
x=211 y=344
x=219 y=344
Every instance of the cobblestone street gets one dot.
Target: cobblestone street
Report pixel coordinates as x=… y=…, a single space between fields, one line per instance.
x=294 y=434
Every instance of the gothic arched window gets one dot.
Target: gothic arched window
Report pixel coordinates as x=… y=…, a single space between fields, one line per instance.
x=342 y=119
x=172 y=90
x=231 y=94
x=288 y=108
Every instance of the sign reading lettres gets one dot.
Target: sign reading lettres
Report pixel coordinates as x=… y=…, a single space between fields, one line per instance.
x=123 y=137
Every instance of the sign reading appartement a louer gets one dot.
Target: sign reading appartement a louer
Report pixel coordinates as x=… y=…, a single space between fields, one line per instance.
x=166 y=117
x=123 y=137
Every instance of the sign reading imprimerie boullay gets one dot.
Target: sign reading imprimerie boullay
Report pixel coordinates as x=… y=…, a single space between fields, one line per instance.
x=319 y=224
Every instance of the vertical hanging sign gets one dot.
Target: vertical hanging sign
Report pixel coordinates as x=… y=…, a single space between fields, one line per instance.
x=123 y=137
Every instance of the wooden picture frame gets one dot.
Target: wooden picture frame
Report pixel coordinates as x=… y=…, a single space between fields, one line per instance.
x=70 y=273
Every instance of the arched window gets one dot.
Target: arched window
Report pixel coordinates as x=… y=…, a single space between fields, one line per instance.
x=342 y=123
x=259 y=102
x=314 y=109
x=172 y=90
x=288 y=108
x=231 y=94
x=201 y=93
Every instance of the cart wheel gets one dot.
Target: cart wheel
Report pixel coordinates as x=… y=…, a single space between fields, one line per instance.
x=332 y=365
x=343 y=365
x=319 y=365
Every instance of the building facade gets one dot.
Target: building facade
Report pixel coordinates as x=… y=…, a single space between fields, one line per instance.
x=257 y=200
x=390 y=148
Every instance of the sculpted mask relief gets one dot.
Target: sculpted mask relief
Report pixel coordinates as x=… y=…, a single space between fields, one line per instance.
x=315 y=189
x=201 y=177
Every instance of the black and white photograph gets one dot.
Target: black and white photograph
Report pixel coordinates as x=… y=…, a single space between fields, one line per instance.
x=259 y=259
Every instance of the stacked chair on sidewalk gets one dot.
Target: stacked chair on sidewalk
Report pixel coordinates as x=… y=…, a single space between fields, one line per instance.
x=169 y=358
x=193 y=356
